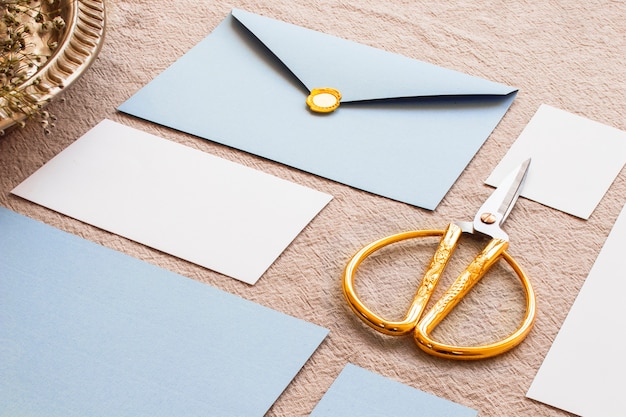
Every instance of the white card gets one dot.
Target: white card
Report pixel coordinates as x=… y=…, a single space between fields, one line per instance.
x=215 y=213
x=584 y=370
x=574 y=160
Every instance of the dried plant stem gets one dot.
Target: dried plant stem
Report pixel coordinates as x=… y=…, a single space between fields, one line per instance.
x=29 y=33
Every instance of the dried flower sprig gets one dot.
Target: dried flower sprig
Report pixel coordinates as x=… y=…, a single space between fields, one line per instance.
x=29 y=34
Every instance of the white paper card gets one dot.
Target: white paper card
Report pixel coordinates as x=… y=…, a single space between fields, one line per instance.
x=218 y=214
x=584 y=370
x=574 y=160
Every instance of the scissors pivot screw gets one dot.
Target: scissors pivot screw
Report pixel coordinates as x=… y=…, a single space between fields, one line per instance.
x=488 y=218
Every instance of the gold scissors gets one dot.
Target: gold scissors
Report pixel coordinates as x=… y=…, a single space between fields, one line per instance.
x=486 y=222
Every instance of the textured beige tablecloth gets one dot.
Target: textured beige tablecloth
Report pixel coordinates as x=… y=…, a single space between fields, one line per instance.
x=569 y=54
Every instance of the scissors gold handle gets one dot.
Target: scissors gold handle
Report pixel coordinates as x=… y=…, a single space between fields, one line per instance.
x=423 y=325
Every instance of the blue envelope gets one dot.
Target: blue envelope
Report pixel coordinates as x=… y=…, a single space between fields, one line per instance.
x=363 y=393
x=404 y=129
x=88 y=331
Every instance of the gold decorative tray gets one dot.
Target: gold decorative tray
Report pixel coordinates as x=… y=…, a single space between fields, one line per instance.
x=68 y=34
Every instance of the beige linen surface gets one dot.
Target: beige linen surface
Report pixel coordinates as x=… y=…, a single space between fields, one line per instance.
x=568 y=54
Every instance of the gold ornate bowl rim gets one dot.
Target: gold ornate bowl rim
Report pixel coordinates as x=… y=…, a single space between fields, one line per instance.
x=80 y=45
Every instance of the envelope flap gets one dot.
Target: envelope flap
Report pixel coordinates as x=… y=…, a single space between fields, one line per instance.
x=358 y=71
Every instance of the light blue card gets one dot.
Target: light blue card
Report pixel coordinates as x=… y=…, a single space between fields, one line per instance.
x=87 y=331
x=359 y=392
x=405 y=129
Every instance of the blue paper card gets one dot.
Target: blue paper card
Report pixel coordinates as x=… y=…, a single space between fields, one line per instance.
x=88 y=331
x=359 y=392
x=405 y=129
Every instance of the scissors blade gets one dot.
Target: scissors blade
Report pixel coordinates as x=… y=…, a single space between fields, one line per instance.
x=497 y=207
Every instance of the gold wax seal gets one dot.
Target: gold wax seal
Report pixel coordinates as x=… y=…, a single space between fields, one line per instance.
x=323 y=100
